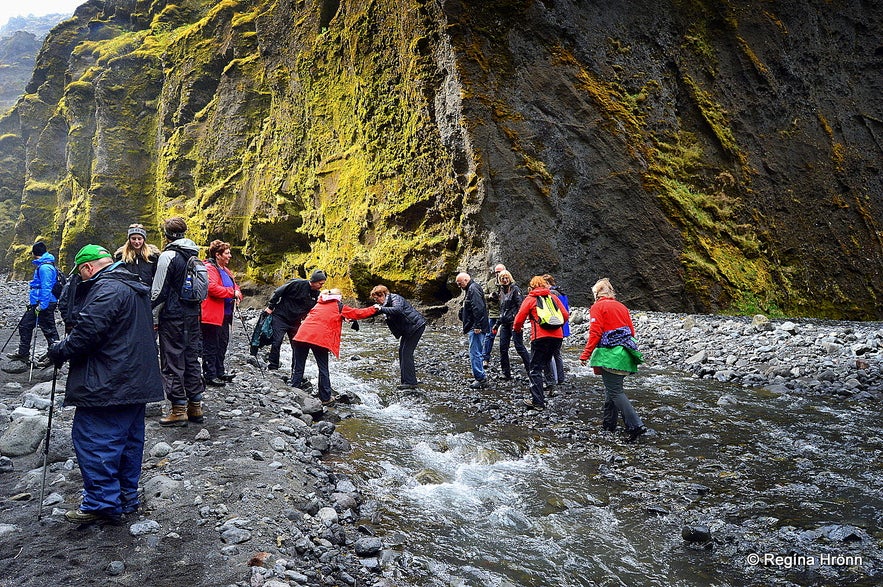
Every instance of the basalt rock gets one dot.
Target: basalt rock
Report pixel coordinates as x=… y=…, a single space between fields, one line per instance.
x=703 y=155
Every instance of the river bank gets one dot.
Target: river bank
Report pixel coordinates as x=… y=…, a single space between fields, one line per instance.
x=267 y=491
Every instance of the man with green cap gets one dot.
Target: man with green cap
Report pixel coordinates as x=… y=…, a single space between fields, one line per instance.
x=113 y=374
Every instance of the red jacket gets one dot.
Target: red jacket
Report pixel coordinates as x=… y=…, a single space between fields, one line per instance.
x=605 y=314
x=322 y=325
x=213 y=305
x=528 y=310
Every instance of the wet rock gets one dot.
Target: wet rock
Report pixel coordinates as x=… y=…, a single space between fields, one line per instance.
x=203 y=435
x=368 y=546
x=7 y=530
x=160 y=450
x=696 y=533
x=161 y=487
x=23 y=436
x=327 y=516
x=144 y=527
x=115 y=568
x=6 y=465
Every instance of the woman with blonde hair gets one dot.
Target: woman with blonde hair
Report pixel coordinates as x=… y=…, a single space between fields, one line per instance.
x=138 y=256
x=612 y=352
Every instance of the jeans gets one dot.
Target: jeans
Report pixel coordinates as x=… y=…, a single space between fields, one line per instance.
x=407 y=345
x=541 y=352
x=489 y=339
x=109 y=444
x=506 y=335
x=215 y=340
x=613 y=386
x=301 y=350
x=476 y=354
x=29 y=321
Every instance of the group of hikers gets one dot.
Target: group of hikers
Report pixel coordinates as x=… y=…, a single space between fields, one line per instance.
x=119 y=310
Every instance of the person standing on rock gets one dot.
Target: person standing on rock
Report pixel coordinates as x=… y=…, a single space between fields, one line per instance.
x=113 y=374
x=544 y=342
x=612 y=352
x=407 y=325
x=510 y=302
x=41 y=304
x=289 y=305
x=473 y=313
x=492 y=299
x=320 y=332
x=138 y=256
x=217 y=313
x=180 y=334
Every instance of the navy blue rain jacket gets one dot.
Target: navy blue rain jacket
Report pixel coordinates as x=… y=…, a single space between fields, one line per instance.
x=111 y=348
x=401 y=317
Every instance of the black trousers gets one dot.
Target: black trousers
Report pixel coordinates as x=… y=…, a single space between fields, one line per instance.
x=180 y=346
x=541 y=352
x=281 y=331
x=215 y=340
x=407 y=345
x=29 y=321
x=507 y=335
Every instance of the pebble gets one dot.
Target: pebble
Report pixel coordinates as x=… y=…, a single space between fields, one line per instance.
x=144 y=527
x=115 y=568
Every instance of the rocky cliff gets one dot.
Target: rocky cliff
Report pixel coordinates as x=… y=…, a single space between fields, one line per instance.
x=705 y=155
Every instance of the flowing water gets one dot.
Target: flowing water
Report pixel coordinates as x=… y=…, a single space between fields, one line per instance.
x=473 y=489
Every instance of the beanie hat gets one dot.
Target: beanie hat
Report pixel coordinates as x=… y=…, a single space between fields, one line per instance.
x=38 y=249
x=136 y=230
x=91 y=253
x=318 y=275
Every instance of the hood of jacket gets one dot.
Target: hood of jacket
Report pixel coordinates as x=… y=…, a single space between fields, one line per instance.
x=185 y=244
x=540 y=291
x=118 y=272
x=43 y=259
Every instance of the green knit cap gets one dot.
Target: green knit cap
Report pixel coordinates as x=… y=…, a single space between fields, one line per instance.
x=91 y=253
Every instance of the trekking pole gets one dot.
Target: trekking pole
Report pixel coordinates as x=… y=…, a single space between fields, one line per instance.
x=46 y=442
x=14 y=330
x=34 y=344
x=248 y=338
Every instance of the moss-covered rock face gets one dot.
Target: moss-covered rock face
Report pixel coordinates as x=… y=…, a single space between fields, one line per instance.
x=704 y=155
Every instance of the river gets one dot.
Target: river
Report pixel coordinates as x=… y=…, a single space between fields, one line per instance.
x=471 y=489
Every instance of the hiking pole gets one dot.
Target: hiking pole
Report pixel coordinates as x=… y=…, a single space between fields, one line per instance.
x=14 y=330
x=46 y=442
x=34 y=344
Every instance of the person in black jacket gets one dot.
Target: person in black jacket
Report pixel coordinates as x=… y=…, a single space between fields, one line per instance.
x=289 y=305
x=510 y=302
x=113 y=374
x=139 y=256
x=407 y=325
x=473 y=313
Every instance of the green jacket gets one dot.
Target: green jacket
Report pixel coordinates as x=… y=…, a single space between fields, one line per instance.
x=619 y=358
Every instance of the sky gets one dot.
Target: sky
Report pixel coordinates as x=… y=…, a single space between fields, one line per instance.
x=9 y=8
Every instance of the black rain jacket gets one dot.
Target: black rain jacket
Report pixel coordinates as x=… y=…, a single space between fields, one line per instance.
x=401 y=317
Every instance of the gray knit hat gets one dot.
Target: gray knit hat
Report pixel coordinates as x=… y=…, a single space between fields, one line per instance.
x=318 y=275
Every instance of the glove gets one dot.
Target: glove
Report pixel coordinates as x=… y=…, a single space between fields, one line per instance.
x=55 y=355
x=355 y=325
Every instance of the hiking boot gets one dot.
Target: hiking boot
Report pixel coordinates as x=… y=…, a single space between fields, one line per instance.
x=529 y=403
x=479 y=384
x=328 y=402
x=194 y=412
x=634 y=433
x=303 y=384
x=227 y=377
x=407 y=386
x=215 y=382
x=177 y=417
x=78 y=516
x=18 y=357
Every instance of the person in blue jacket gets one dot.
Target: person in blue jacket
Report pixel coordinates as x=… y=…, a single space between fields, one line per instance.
x=41 y=304
x=113 y=373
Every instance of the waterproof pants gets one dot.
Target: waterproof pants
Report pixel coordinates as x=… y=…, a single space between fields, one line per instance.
x=541 y=352
x=180 y=345
x=507 y=336
x=407 y=345
x=476 y=354
x=301 y=350
x=613 y=386
x=281 y=331
x=215 y=340
x=29 y=321
x=109 y=443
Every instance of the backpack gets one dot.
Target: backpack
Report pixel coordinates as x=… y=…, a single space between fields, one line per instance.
x=548 y=313
x=194 y=286
x=60 y=281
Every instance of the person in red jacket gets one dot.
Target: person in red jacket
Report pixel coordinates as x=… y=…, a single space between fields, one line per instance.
x=320 y=332
x=217 y=315
x=613 y=353
x=544 y=342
